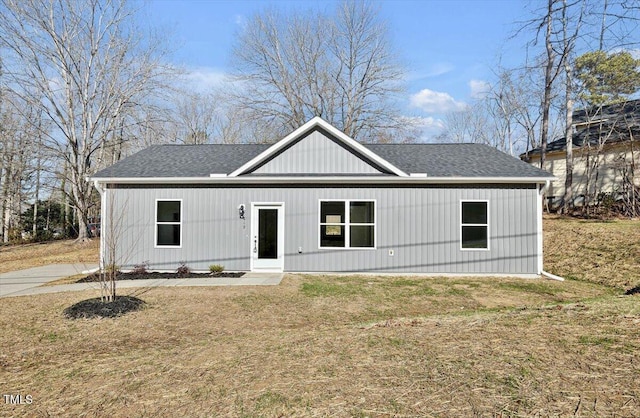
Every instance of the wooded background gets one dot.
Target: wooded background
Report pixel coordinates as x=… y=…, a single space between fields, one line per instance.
x=82 y=85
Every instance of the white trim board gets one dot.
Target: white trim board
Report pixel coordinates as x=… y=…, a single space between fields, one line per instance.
x=322 y=180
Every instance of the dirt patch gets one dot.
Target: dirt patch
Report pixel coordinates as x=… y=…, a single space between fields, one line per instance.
x=95 y=277
x=96 y=308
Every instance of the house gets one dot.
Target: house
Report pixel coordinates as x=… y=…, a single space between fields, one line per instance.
x=606 y=153
x=318 y=201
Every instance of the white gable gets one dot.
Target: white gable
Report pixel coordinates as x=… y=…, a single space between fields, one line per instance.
x=317 y=148
x=316 y=154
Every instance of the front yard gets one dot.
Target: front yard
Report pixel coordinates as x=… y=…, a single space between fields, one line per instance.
x=348 y=346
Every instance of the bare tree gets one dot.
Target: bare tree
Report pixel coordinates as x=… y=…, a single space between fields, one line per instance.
x=571 y=27
x=524 y=99
x=550 y=74
x=338 y=67
x=557 y=47
x=505 y=116
x=195 y=118
x=88 y=61
x=467 y=125
x=17 y=154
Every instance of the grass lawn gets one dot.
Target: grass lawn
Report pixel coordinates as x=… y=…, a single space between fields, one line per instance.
x=347 y=346
x=606 y=252
x=18 y=257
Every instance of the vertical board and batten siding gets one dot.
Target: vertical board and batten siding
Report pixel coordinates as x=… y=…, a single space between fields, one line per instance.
x=316 y=154
x=420 y=224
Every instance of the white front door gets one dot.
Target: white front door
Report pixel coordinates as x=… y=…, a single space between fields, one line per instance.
x=267 y=236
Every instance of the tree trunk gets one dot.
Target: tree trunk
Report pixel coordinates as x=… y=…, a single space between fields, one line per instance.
x=548 y=82
x=567 y=199
x=35 y=203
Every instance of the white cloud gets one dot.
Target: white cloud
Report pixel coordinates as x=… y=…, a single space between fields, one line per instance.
x=439 y=68
x=428 y=127
x=424 y=122
x=433 y=70
x=431 y=101
x=240 y=20
x=204 y=78
x=479 y=88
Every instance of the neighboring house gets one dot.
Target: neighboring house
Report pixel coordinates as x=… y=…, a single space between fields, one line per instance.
x=606 y=153
x=318 y=201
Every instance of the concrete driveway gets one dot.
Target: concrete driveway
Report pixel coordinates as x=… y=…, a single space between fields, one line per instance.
x=22 y=280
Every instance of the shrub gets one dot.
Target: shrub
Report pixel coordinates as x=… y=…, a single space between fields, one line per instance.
x=216 y=268
x=183 y=270
x=141 y=268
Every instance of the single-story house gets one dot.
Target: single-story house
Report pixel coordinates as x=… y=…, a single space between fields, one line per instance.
x=318 y=201
x=606 y=153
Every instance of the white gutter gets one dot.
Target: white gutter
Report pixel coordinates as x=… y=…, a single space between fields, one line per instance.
x=96 y=184
x=552 y=276
x=103 y=205
x=321 y=179
x=541 y=271
x=545 y=273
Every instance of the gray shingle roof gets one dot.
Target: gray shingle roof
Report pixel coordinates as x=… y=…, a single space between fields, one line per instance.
x=437 y=160
x=184 y=160
x=455 y=160
x=609 y=124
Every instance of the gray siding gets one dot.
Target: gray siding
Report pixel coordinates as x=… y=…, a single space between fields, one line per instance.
x=421 y=225
x=316 y=154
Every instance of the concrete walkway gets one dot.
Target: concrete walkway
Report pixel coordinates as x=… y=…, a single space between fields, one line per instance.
x=22 y=280
x=28 y=282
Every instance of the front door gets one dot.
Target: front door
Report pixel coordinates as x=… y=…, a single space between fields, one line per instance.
x=267 y=233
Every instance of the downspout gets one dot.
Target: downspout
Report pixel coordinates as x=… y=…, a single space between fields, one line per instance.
x=541 y=192
x=103 y=199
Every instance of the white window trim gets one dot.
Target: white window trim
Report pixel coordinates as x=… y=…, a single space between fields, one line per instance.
x=485 y=225
x=347 y=224
x=156 y=223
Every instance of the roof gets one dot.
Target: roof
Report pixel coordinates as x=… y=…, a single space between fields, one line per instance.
x=183 y=160
x=614 y=123
x=210 y=163
x=437 y=160
x=455 y=160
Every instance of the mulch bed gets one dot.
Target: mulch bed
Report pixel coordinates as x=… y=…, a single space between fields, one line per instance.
x=633 y=291
x=96 y=308
x=155 y=275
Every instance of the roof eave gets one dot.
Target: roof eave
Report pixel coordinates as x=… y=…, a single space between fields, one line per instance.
x=324 y=180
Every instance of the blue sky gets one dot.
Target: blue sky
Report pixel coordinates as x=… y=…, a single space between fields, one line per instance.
x=449 y=47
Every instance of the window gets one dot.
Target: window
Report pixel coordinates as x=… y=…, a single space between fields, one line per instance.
x=475 y=225
x=347 y=224
x=168 y=223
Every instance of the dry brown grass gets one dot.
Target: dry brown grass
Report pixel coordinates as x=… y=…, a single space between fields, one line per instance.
x=345 y=346
x=606 y=252
x=331 y=346
x=18 y=257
